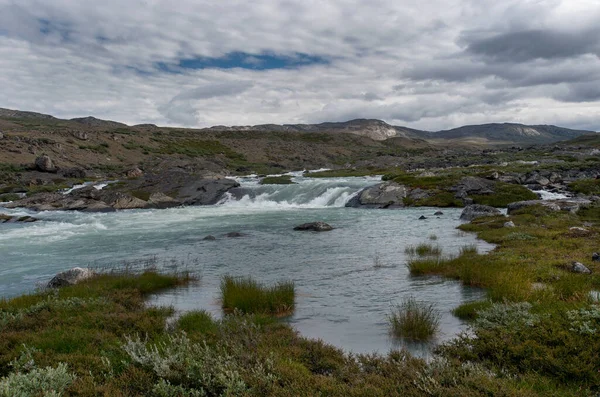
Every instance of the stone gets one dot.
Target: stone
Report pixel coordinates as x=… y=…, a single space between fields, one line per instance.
x=422 y=217
x=477 y=210
x=1 y=135
x=234 y=234
x=509 y=224
x=161 y=200
x=71 y=277
x=134 y=173
x=383 y=195
x=209 y=238
x=45 y=164
x=82 y=135
x=438 y=213
x=314 y=226
x=578 y=267
x=595 y=257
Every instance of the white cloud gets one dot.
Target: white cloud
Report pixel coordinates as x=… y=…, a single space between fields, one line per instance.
x=402 y=61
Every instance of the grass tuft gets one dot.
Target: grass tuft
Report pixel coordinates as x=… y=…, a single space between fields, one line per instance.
x=248 y=296
x=423 y=250
x=414 y=320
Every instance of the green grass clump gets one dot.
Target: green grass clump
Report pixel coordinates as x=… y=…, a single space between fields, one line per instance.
x=414 y=320
x=277 y=180
x=248 y=296
x=504 y=194
x=423 y=249
x=586 y=186
x=470 y=310
x=197 y=321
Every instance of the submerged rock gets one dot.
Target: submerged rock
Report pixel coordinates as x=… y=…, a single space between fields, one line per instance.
x=71 y=277
x=477 y=210
x=14 y=219
x=578 y=267
x=422 y=217
x=209 y=238
x=315 y=226
x=438 y=213
x=234 y=234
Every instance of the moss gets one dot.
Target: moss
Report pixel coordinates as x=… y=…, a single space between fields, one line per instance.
x=277 y=180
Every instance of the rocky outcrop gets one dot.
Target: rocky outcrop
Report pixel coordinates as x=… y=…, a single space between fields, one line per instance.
x=148 y=191
x=571 y=205
x=473 y=185
x=383 y=195
x=16 y=219
x=476 y=210
x=71 y=277
x=315 y=227
x=45 y=164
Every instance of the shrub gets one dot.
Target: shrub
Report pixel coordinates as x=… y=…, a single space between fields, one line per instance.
x=39 y=381
x=248 y=296
x=414 y=320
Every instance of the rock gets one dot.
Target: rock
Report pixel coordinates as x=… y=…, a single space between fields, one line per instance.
x=74 y=172
x=14 y=219
x=314 y=226
x=595 y=257
x=82 y=135
x=473 y=185
x=134 y=173
x=536 y=179
x=1 y=135
x=509 y=224
x=572 y=205
x=578 y=267
x=477 y=210
x=422 y=217
x=383 y=195
x=161 y=200
x=45 y=164
x=71 y=277
x=438 y=213
x=234 y=234
x=209 y=238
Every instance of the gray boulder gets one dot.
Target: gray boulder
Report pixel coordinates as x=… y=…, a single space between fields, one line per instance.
x=509 y=224
x=477 y=210
x=578 y=267
x=234 y=234
x=473 y=185
x=45 y=164
x=315 y=227
x=71 y=277
x=209 y=238
x=383 y=195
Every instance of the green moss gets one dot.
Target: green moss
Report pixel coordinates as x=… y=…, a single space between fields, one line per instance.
x=277 y=180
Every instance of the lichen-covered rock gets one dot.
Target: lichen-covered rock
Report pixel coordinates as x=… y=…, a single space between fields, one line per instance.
x=578 y=267
x=477 y=210
x=71 y=277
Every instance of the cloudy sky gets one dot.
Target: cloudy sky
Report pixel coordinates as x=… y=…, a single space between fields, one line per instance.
x=430 y=64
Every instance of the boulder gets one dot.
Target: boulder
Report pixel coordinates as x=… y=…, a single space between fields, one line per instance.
x=473 y=185
x=595 y=257
x=422 y=217
x=1 y=135
x=438 y=213
x=161 y=200
x=14 y=219
x=45 y=164
x=314 y=226
x=509 y=224
x=82 y=135
x=71 y=277
x=578 y=267
x=477 y=210
x=134 y=173
x=383 y=195
x=209 y=238
x=234 y=234
x=536 y=179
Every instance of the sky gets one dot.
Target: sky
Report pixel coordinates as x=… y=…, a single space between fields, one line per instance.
x=427 y=64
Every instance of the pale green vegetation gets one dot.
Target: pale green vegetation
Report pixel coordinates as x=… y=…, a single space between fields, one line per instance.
x=414 y=320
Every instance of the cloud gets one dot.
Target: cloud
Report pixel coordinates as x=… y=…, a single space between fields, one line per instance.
x=430 y=64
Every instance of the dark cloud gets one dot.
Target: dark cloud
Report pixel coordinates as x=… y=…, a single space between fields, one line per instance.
x=528 y=45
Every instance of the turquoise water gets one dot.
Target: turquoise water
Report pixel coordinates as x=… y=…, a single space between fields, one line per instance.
x=347 y=279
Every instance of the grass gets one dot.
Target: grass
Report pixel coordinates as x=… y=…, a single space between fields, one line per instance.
x=414 y=320
x=586 y=186
x=504 y=194
x=423 y=249
x=246 y=295
x=470 y=310
x=277 y=180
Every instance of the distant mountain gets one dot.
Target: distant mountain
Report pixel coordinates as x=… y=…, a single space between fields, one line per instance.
x=94 y=122
x=18 y=114
x=509 y=133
